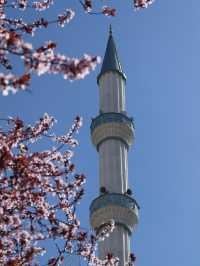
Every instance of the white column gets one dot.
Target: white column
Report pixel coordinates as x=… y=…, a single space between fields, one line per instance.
x=113 y=166
x=118 y=244
x=112 y=93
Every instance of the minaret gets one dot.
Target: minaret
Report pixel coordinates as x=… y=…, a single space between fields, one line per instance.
x=112 y=133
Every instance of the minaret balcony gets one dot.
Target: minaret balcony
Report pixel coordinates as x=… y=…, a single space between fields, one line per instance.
x=123 y=209
x=112 y=125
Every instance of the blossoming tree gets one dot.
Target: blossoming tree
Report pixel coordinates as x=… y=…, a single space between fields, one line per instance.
x=39 y=192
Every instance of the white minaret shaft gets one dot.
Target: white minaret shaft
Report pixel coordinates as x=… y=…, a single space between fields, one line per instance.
x=113 y=152
x=112 y=93
x=112 y=133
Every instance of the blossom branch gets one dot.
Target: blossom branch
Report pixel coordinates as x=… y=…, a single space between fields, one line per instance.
x=36 y=190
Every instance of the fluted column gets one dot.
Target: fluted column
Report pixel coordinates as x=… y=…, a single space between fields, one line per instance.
x=112 y=134
x=112 y=93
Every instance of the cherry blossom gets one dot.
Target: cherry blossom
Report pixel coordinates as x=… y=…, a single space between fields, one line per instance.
x=42 y=5
x=138 y=4
x=39 y=192
x=65 y=17
x=43 y=59
x=108 y=11
x=39 y=60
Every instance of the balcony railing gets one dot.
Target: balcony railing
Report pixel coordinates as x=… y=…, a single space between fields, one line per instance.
x=110 y=118
x=113 y=199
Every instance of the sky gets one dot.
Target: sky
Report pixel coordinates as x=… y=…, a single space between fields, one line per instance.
x=159 y=48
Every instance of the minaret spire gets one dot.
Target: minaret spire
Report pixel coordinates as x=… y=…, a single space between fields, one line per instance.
x=111 y=60
x=112 y=133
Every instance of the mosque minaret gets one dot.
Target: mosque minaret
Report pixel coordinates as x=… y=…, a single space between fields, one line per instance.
x=112 y=133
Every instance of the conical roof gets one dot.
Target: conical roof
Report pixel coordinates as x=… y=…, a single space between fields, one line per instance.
x=111 y=60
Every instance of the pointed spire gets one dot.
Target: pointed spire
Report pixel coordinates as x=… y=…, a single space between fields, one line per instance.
x=111 y=60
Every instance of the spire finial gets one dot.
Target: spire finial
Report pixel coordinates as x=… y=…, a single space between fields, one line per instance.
x=110 y=29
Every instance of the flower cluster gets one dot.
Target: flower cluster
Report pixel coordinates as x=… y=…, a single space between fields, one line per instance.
x=39 y=192
x=42 y=5
x=10 y=82
x=87 y=5
x=13 y=43
x=41 y=60
x=105 y=10
x=105 y=230
x=44 y=59
x=138 y=4
x=65 y=17
x=110 y=260
x=21 y=4
x=108 y=11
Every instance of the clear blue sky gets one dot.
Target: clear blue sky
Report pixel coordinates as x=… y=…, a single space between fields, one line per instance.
x=160 y=53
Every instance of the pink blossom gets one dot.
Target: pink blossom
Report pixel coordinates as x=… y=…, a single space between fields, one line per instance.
x=65 y=17
x=138 y=4
x=35 y=189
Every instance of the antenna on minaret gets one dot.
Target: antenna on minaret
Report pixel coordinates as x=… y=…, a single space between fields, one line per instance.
x=110 y=29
